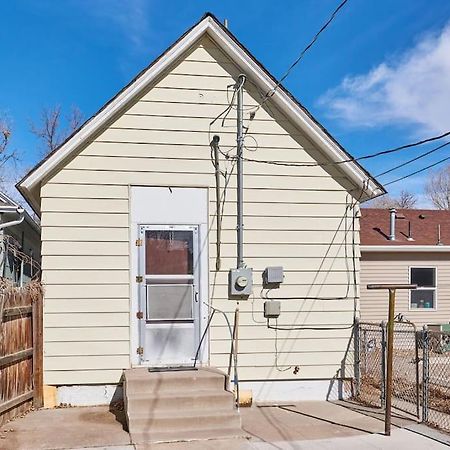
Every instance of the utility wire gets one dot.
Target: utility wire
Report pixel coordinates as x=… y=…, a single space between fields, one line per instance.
x=417 y=171
x=302 y=54
x=413 y=159
x=369 y=156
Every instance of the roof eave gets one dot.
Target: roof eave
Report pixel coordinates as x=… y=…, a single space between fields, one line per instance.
x=370 y=188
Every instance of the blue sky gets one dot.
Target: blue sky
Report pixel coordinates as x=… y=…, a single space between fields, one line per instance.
x=377 y=78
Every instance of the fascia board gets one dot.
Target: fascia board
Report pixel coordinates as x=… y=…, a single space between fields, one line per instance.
x=404 y=248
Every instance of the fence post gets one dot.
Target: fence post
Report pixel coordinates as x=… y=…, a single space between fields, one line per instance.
x=383 y=364
x=38 y=376
x=357 y=357
x=426 y=372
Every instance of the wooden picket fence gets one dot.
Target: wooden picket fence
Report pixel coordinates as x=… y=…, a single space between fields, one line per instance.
x=21 y=352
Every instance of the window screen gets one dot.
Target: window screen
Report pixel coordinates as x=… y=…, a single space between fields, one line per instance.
x=169 y=252
x=169 y=301
x=425 y=294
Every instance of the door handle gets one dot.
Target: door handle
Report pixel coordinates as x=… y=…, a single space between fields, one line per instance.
x=196 y=297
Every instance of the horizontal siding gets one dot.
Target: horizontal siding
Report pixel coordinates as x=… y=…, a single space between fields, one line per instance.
x=294 y=216
x=391 y=268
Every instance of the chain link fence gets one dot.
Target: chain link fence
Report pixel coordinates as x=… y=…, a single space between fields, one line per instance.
x=421 y=370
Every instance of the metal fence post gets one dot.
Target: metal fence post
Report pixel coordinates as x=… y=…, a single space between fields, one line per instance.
x=383 y=364
x=426 y=372
x=357 y=357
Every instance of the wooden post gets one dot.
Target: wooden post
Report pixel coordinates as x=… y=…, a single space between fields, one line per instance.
x=390 y=346
x=38 y=374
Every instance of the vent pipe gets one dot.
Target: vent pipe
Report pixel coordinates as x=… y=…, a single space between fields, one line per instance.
x=392 y=213
x=409 y=238
x=225 y=23
x=439 y=242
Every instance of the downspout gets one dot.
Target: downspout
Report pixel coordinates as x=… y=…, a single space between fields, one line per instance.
x=215 y=148
x=11 y=223
x=18 y=221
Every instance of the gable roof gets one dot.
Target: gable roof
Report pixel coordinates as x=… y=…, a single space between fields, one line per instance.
x=374 y=225
x=368 y=187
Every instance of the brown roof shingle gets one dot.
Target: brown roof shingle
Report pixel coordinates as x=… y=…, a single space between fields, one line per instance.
x=424 y=226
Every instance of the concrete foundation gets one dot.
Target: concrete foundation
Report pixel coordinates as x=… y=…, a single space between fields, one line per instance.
x=91 y=395
x=295 y=390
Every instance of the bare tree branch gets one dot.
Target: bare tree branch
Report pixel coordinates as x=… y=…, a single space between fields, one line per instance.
x=49 y=130
x=437 y=188
x=406 y=200
x=6 y=153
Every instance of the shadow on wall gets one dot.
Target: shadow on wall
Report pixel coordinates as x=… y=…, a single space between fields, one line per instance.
x=342 y=384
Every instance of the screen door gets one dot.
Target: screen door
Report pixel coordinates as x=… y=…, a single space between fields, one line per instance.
x=169 y=297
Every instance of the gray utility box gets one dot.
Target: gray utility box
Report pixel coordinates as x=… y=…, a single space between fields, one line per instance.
x=272 y=277
x=240 y=283
x=272 y=309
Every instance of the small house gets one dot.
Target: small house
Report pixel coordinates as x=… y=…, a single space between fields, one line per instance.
x=20 y=245
x=406 y=246
x=132 y=264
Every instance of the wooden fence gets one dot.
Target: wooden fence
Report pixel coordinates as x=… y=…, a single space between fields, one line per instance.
x=21 y=371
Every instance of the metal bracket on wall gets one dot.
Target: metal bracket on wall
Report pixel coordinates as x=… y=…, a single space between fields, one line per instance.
x=140 y=350
x=139 y=279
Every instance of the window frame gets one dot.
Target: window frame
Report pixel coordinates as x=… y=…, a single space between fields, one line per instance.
x=435 y=288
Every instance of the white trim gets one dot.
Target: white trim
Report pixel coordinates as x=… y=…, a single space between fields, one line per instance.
x=435 y=288
x=405 y=248
x=240 y=57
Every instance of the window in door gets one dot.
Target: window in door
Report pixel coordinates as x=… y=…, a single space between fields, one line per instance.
x=424 y=297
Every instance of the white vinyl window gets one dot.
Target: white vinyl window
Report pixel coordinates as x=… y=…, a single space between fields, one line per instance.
x=424 y=297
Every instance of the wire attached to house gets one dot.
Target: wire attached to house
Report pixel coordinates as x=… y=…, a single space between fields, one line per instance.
x=270 y=93
x=349 y=160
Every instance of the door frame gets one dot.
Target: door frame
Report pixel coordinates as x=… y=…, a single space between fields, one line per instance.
x=197 y=198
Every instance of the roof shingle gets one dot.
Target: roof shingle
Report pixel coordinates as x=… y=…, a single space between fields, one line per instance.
x=424 y=226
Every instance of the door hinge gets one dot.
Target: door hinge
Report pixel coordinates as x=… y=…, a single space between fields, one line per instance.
x=140 y=315
x=140 y=350
x=139 y=279
x=138 y=242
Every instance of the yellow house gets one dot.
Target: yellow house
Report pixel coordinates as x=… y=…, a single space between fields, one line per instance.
x=128 y=212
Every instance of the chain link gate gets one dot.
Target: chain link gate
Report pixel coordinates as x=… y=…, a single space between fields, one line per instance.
x=435 y=346
x=421 y=370
x=370 y=370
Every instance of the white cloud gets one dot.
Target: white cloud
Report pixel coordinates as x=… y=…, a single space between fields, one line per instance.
x=412 y=89
x=131 y=19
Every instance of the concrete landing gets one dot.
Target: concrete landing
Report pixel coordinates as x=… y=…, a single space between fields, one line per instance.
x=179 y=406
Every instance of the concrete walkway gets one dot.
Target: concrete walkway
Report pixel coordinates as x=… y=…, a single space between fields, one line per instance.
x=309 y=425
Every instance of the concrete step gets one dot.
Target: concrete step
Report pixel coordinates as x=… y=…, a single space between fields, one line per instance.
x=186 y=435
x=200 y=400
x=142 y=381
x=157 y=422
x=179 y=406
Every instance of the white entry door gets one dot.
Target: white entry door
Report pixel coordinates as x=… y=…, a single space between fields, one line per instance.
x=169 y=294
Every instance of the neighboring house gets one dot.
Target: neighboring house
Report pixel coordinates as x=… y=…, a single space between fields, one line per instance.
x=20 y=249
x=127 y=208
x=406 y=246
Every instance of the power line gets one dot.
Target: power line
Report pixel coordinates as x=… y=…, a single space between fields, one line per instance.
x=417 y=171
x=369 y=156
x=413 y=159
x=302 y=54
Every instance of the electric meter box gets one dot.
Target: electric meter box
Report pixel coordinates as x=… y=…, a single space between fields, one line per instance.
x=272 y=309
x=240 y=283
x=273 y=276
